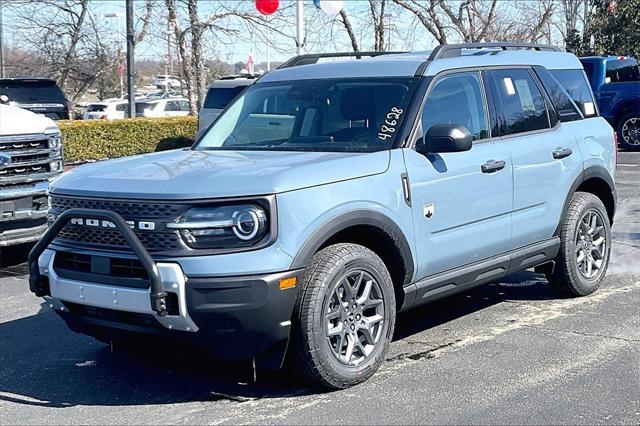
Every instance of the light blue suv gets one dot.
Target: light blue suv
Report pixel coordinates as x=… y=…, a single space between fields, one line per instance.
x=330 y=196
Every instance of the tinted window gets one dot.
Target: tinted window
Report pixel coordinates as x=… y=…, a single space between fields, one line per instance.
x=523 y=106
x=576 y=85
x=333 y=114
x=122 y=107
x=32 y=91
x=184 y=105
x=96 y=108
x=567 y=110
x=172 y=106
x=457 y=99
x=622 y=70
x=220 y=97
x=141 y=106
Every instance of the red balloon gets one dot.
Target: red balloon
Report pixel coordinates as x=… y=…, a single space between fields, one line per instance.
x=267 y=7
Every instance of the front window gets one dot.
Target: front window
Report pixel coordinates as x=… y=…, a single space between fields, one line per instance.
x=341 y=115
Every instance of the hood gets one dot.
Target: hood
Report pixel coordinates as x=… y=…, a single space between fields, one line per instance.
x=188 y=174
x=18 y=121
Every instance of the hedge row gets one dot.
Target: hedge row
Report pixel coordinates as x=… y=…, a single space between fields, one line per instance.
x=86 y=140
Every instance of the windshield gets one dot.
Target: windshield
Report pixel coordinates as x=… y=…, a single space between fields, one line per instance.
x=343 y=115
x=30 y=91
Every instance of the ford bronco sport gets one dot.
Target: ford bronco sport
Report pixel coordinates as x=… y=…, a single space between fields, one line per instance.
x=329 y=196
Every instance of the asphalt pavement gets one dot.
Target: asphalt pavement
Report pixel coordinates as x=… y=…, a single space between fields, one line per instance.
x=508 y=352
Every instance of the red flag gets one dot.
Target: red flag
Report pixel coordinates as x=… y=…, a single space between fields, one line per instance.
x=250 y=65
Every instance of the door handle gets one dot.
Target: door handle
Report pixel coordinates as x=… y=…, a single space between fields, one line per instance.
x=492 y=166
x=562 y=153
x=275 y=123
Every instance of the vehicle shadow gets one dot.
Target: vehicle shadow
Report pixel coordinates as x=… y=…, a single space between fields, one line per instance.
x=44 y=364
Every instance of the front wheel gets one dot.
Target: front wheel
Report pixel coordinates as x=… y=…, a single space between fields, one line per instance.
x=629 y=131
x=344 y=316
x=585 y=246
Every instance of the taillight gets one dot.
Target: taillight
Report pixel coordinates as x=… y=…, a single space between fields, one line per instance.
x=103 y=117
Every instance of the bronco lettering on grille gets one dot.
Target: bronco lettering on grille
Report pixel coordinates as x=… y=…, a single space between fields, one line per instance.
x=144 y=226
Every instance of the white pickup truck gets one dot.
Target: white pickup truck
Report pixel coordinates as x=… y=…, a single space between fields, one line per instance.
x=30 y=157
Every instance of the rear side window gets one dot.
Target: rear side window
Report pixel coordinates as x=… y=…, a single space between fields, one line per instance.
x=220 y=97
x=172 y=106
x=122 y=107
x=622 y=70
x=567 y=110
x=522 y=103
x=576 y=84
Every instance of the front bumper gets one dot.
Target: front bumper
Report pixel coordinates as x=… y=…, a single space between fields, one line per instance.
x=21 y=235
x=233 y=317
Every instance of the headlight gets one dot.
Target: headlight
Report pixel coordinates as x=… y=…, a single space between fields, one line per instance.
x=222 y=227
x=55 y=139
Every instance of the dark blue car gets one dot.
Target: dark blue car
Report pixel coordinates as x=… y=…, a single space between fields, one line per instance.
x=615 y=81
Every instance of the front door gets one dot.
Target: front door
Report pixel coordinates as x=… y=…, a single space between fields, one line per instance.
x=461 y=210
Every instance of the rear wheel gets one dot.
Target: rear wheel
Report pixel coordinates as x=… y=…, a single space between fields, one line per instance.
x=629 y=131
x=344 y=316
x=585 y=246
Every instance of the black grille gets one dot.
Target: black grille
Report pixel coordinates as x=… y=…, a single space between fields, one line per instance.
x=113 y=239
x=126 y=209
x=106 y=270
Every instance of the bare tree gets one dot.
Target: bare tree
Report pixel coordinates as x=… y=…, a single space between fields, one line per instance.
x=349 y=29
x=473 y=21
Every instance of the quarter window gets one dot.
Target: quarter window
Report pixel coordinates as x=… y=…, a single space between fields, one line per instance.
x=457 y=99
x=522 y=103
x=567 y=110
x=576 y=84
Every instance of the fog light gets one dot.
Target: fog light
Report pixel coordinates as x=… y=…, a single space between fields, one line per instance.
x=286 y=283
x=54 y=166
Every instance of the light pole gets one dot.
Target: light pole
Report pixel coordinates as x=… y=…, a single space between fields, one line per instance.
x=118 y=15
x=131 y=44
x=1 y=44
x=300 y=27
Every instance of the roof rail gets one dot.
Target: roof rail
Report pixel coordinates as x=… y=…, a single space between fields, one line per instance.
x=455 y=50
x=234 y=77
x=312 y=58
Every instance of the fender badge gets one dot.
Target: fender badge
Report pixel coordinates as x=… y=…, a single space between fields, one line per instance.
x=428 y=210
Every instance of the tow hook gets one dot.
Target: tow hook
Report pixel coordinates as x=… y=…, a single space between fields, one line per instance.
x=159 y=303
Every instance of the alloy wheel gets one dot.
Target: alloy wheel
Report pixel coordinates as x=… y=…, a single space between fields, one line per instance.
x=631 y=131
x=354 y=317
x=591 y=244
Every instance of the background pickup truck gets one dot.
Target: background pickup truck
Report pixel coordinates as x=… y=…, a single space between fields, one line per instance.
x=615 y=81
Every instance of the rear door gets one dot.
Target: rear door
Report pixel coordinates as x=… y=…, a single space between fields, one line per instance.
x=461 y=213
x=546 y=158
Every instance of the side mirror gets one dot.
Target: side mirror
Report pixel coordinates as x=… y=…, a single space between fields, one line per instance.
x=445 y=138
x=4 y=99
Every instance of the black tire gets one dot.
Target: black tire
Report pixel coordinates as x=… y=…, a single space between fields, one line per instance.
x=312 y=352
x=629 y=139
x=567 y=278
